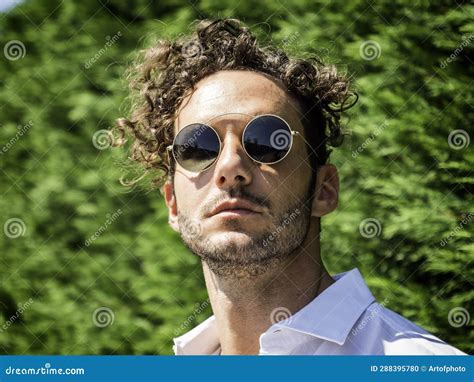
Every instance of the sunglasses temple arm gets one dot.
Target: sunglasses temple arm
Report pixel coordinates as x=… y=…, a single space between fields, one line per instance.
x=168 y=150
x=298 y=134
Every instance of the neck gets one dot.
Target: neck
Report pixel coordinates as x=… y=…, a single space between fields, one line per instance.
x=246 y=307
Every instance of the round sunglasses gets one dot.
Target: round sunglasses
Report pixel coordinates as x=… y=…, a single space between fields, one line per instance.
x=266 y=139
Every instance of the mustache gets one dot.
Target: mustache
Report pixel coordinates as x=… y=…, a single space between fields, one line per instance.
x=237 y=192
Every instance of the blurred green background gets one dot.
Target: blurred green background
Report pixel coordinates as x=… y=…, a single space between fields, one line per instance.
x=89 y=267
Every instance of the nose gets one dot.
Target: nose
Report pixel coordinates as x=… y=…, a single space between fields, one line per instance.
x=234 y=167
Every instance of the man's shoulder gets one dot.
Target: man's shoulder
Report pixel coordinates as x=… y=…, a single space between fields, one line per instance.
x=390 y=333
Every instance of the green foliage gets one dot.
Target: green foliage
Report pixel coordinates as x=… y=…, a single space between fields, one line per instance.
x=397 y=167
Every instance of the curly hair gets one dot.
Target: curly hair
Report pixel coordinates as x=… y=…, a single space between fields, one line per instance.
x=162 y=76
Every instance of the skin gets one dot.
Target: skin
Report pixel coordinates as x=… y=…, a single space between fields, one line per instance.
x=248 y=282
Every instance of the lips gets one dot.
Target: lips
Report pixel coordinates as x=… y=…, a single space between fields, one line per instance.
x=236 y=207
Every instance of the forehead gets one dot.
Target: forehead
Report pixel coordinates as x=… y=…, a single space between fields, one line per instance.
x=236 y=92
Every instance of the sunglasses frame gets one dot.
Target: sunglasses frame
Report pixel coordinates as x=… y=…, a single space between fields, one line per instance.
x=292 y=134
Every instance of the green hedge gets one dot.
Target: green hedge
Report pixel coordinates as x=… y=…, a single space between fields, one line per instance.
x=96 y=270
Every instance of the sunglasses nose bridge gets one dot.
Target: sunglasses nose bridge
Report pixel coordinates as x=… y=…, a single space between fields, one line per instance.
x=232 y=166
x=232 y=145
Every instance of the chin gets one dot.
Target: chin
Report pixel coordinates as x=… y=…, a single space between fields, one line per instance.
x=231 y=238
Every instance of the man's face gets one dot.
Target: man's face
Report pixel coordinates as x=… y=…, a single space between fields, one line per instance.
x=274 y=215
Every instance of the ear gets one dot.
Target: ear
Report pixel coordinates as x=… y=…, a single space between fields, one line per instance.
x=168 y=191
x=327 y=191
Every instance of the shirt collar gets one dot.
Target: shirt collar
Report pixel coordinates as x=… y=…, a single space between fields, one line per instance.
x=202 y=339
x=330 y=316
x=333 y=313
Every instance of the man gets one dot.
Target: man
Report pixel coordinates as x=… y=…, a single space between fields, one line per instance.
x=242 y=136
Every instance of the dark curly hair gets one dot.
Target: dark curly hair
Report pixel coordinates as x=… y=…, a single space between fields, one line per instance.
x=163 y=74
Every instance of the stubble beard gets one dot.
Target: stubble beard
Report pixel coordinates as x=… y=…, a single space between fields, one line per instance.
x=261 y=253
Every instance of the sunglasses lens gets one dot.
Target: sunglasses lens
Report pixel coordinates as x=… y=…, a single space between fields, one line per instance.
x=196 y=147
x=267 y=139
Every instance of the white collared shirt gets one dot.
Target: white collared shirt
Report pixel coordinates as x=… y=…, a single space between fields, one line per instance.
x=344 y=319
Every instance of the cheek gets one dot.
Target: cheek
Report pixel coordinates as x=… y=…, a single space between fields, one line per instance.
x=187 y=197
x=298 y=171
x=289 y=179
